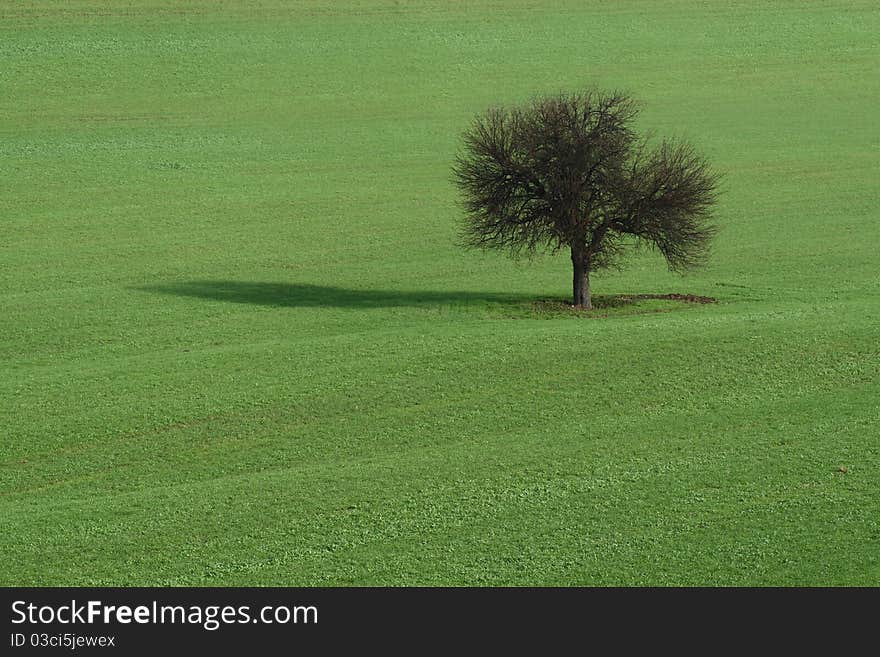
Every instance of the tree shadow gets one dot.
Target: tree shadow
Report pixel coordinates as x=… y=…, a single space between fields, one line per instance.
x=299 y=295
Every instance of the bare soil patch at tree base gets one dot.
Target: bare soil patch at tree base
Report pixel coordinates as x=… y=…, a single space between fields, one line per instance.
x=613 y=305
x=690 y=298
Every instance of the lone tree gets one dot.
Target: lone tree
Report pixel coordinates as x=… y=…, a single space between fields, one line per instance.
x=569 y=172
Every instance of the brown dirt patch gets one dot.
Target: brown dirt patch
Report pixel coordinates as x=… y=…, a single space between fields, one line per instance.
x=689 y=298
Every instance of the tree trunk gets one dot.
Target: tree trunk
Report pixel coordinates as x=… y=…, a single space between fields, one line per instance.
x=581 y=280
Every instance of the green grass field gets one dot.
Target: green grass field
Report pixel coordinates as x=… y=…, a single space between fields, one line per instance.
x=240 y=345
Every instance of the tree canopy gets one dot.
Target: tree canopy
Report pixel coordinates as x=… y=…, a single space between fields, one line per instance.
x=570 y=172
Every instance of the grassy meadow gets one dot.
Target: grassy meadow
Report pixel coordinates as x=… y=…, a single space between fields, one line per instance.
x=239 y=344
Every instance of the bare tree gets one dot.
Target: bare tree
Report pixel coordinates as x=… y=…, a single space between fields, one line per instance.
x=570 y=172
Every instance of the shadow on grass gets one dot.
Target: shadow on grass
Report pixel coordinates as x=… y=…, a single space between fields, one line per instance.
x=296 y=295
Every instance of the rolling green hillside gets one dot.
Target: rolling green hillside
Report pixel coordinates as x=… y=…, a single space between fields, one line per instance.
x=240 y=346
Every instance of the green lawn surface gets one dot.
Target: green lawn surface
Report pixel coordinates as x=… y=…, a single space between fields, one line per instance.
x=239 y=344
